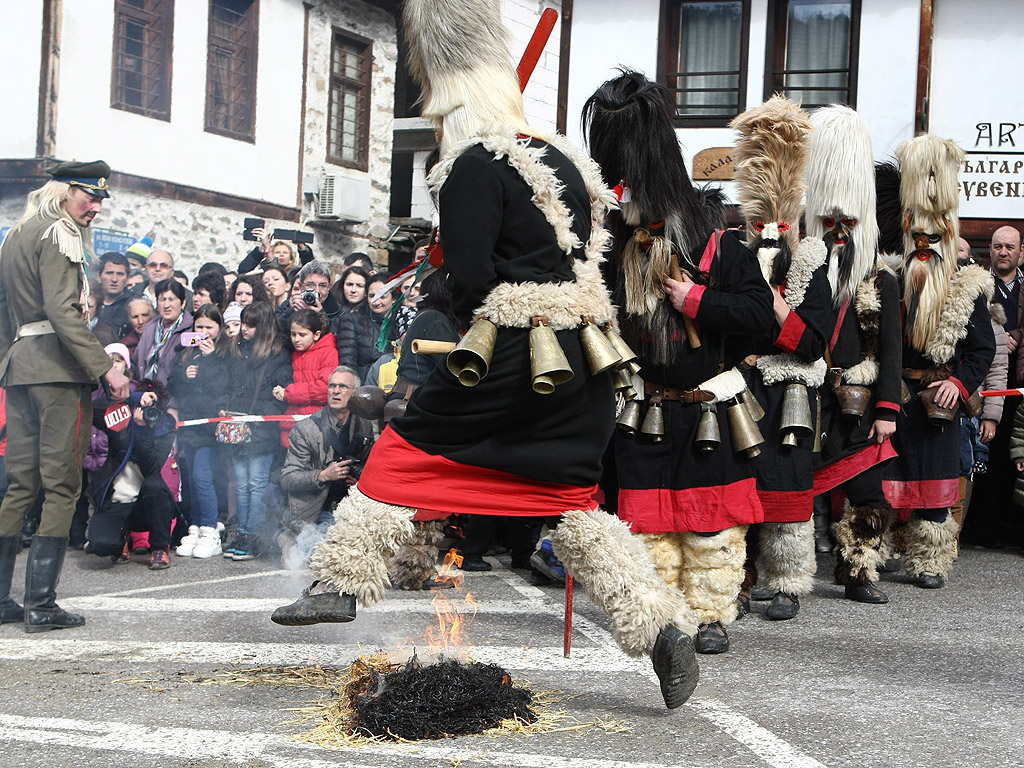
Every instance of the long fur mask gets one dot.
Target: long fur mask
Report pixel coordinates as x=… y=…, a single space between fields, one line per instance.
x=628 y=124
x=459 y=56
x=770 y=157
x=841 y=197
x=931 y=232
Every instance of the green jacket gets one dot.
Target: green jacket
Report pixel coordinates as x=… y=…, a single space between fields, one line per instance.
x=40 y=279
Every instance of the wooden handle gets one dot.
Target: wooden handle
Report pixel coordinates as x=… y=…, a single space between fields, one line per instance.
x=691 y=328
x=431 y=347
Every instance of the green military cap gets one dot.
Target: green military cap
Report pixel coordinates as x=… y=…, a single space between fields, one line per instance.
x=92 y=177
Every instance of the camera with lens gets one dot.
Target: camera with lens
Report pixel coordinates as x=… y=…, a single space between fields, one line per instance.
x=310 y=296
x=151 y=415
x=359 y=452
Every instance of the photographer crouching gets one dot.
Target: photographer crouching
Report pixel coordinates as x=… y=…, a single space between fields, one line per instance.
x=326 y=452
x=129 y=492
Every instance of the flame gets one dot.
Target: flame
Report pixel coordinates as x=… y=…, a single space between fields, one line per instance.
x=447 y=634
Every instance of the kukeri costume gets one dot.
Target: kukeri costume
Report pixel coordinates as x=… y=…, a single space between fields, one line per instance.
x=864 y=355
x=786 y=366
x=692 y=505
x=947 y=337
x=521 y=234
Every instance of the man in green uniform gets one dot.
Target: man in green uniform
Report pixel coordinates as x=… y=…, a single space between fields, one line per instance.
x=49 y=363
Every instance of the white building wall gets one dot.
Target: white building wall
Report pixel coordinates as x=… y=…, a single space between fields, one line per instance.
x=20 y=50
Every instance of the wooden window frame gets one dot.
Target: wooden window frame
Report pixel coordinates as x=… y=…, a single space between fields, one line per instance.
x=362 y=162
x=778 y=21
x=248 y=86
x=668 y=48
x=164 y=24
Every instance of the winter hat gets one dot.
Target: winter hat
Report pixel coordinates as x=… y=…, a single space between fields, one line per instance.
x=117 y=348
x=141 y=249
x=233 y=314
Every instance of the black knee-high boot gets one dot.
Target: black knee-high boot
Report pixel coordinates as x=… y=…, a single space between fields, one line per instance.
x=10 y=611
x=45 y=560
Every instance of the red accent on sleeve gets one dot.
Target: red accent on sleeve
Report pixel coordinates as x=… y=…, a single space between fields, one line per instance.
x=887 y=404
x=692 y=301
x=791 y=333
x=964 y=394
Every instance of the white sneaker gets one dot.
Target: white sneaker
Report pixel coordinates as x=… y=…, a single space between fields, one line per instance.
x=208 y=544
x=188 y=542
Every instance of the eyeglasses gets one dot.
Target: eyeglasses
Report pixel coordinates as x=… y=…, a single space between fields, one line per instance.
x=158 y=265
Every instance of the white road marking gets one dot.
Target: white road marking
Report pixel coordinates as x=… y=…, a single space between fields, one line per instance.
x=277 y=750
x=194 y=584
x=760 y=741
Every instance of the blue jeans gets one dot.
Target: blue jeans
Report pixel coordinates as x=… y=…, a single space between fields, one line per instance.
x=204 y=492
x=252 y=474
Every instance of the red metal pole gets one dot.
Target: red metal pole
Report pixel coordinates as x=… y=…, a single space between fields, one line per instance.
x=535 y=47
x=567 y=643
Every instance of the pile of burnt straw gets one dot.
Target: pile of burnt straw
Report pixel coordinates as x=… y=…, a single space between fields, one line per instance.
x=435 y=701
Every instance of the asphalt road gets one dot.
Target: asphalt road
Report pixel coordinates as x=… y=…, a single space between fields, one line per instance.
x=933 y=679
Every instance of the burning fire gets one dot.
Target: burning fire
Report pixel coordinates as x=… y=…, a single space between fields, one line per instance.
x=447 y=635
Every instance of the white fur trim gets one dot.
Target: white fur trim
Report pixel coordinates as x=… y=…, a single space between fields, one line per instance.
x=864 y=373
x=776 y=369
x=787 y=557
x=353 y=556
x=712 y=573
x=725 y=385
x=931 y=547
x=618 y=575
x=868 y=302
x=416 y=560
x=807 y=257
x=966 y=285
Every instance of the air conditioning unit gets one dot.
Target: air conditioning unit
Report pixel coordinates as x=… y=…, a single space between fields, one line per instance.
x=344 y=197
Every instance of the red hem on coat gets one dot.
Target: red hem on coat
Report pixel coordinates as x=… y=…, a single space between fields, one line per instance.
x=787 y=506
x=922 y=494
x=399 y=473
x=700 y=510
x=828 y=477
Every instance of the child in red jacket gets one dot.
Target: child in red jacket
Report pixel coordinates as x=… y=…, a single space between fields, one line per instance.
x=314 y=358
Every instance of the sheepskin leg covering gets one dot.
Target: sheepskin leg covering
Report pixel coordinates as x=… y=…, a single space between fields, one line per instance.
x=860 y=540
x=416 y=560
x=618 y=575
x=787 y=557
x=666 y=551
x=713 y=572
x=931 y=547
x=353 y=557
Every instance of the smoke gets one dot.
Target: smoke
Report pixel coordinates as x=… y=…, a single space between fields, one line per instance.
x=297 y=550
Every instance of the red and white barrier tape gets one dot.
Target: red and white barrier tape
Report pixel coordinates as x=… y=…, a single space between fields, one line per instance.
x=242 y=419
x=1001 y=392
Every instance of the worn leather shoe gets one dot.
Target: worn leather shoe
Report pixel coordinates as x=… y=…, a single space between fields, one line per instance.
x=475 y=563
x=321 y=608
x=742 y=606
x=783 y=607
x=711 y=638
x=761 y=594
x=866 y=593
x=930 y=581
x=675 y=664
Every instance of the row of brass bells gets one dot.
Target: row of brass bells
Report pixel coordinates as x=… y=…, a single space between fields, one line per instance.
x=549 y=366
x=623 y=384
x=709 y=436
x=471 y=358
x=796 y=414
x=746 y=437
x=628 y=360
x=629 y=419
x=654 y=421
x=601 y=355
x=756 y=411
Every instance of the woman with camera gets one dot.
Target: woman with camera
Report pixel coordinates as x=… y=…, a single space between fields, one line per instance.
x=200 y=381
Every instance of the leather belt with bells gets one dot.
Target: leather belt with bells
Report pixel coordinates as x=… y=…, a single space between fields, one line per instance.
x=696 y=395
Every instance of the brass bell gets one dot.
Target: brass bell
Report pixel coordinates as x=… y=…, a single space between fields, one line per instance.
x=629 y=419
x=394 y=409
x=756 y=411
x=601 y=355
x=627 y=357
x=796 y=414
x=654 y=422
x=853 y=399
x=743 y=429
x=624 y=384
x=709 y=436
x=548 y=364
x=471 y=358
x=367 y=402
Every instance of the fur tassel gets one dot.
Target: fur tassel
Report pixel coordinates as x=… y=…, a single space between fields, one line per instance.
x=618 y=575
x=787 y=557
x=354 y=555
x=860 y=536
x=769 y=158
x=68 y=239
x=712 y=572
x=931 y=547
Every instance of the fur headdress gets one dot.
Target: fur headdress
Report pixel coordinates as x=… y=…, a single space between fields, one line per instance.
x=459 y=56
x=841 y=197
x=769 y=158
x=628 y=123
x=889 y=210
